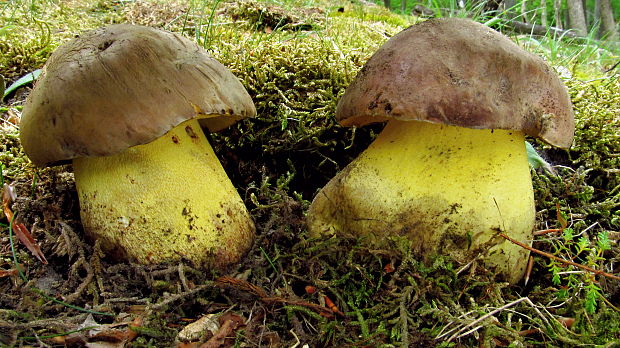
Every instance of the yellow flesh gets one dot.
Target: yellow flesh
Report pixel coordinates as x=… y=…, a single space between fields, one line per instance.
x=164 y=201
x=448 y=189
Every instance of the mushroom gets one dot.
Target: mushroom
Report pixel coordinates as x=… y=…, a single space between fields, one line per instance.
x=449 y=171
x=124 y=103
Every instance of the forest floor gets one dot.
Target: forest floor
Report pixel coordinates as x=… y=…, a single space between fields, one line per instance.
x=295 y=59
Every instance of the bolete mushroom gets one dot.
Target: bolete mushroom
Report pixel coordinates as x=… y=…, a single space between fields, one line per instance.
x=124 y=103
x=449 y=170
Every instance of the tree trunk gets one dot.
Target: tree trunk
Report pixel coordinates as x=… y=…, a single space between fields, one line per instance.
x=543 y=15
x=387 y=3
x=524 y=11
x=539 y=30
x=608 y=25
x=557 y=13
x=403 y=6
x=597 y=18
x=577 y=17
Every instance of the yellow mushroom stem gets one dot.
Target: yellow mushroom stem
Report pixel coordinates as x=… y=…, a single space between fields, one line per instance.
x=164 y=201
x=450 y=190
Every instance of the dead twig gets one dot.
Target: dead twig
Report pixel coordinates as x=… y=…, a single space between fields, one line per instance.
x=61 y=323
x=161 y=304
x=460 y=332
x=528 y=269
x=262 y=295
x=81 y=261
x=553 y=257
x=551 y=230
x=181 y=269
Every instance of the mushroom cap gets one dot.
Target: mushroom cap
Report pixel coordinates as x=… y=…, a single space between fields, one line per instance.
x=124 y=85
x=461 y=73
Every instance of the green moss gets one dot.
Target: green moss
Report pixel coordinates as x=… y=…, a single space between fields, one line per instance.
x=585 y=197
x=170 y=15
x=597 y=134
x=264 y=17
x=13 y=161
x=602 y=328
x=33 y=29
x=374 y=14
x=295 y=80
x=589 y=181
x=295 y=146
x=21 y=56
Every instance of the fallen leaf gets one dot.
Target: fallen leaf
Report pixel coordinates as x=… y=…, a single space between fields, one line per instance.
x=20 y=230
x=567 y=322
x=8 y=194
x=188 y=345
x=219 y=338
x=94 y=335
x=529 y=332
x=560 y=217
x=29 y=242
x=231 y=316
x=197 y=330
x=8 y=273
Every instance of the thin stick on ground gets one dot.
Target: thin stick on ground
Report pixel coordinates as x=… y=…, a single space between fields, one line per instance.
x=262 y=295
x=543 y=232
x=567 y=262
x=167 y=301
x=460 y=333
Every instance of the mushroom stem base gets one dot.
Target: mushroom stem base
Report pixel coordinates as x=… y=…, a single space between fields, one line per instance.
x=448 y=189
x=165 y=201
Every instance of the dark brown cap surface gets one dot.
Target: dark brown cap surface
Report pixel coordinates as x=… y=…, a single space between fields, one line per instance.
x=125 y=85
x=461 y=73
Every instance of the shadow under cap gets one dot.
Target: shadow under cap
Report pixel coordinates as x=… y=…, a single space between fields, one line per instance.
x=125 y=85
x=461 y=73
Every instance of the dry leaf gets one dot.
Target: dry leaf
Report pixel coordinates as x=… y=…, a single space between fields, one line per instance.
x=561 y=219
x=196 y=330
x=24 y=236
x=116 y=335
x=21 y=232
x=239 y=321
x=219 y=338
x=8 y=273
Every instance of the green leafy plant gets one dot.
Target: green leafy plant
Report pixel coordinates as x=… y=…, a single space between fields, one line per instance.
x=588 y=251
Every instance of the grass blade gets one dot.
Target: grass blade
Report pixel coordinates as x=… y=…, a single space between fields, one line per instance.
x=22 y=81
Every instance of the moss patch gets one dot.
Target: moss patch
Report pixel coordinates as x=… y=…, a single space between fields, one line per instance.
x=278 y=161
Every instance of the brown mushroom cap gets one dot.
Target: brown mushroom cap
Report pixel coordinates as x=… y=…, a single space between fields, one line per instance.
x=461 y=73
x=124 y=85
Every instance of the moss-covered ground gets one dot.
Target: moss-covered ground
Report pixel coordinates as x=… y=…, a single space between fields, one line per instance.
x=295 y=59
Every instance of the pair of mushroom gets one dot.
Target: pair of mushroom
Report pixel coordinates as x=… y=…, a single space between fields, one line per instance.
x=449 y=171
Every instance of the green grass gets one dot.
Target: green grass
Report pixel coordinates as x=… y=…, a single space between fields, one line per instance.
x=533 y=8
x=31 y=31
